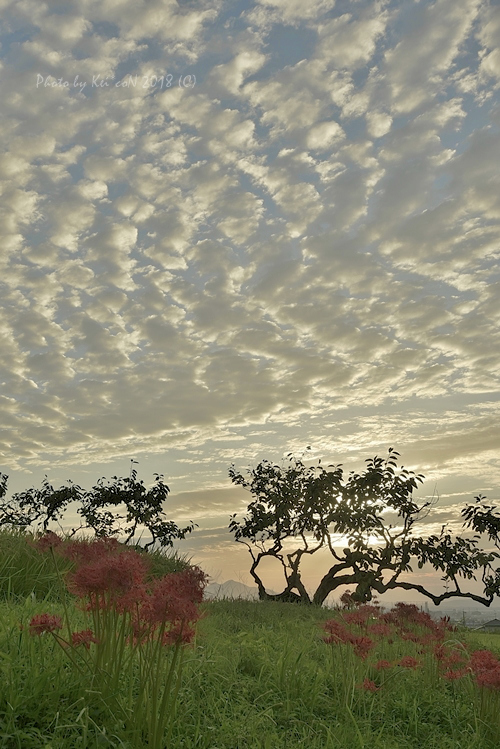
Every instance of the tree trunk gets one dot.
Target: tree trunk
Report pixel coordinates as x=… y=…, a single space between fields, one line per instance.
x=331 y=581
x=287 y=596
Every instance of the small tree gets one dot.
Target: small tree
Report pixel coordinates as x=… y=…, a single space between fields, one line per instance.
x=36 y=506
x=100 y=508
x=307 y=506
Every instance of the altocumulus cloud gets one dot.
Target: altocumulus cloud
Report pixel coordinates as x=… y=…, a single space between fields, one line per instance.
x=281 y=229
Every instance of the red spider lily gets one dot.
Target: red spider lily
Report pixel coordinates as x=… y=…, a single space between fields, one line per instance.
x=338 y=633
x=113 y=574
x=174 y=598
x=452 y=661
x=368 y=685
x=486 y=668
x=440 y=652
x=483 y=660
x=132 y=600
x=388 y=618
x=179 y=634
x=453 y=675
x=194 y=581
x=133 y=617
x=361 y=615
x=383 y=664
x=45 y=623
x=455 y=656
x=409 y=636
x=85 y=637
x=49 y=540
x=362 y=646
x=379 y=629
x=83 y=551
x=444 y=623
x=489 y=678
x=407 y=611
x=408 y=661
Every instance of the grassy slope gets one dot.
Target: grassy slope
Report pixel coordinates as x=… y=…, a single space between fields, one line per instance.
x=257 y=676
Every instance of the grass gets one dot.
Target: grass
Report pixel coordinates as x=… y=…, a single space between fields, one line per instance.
x=24 y=572
x=258 y=675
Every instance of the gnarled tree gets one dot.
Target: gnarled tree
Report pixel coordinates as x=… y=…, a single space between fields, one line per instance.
x=298 y=510
x=119 y=506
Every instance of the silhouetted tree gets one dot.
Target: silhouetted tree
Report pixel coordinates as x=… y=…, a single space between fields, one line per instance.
x=298 y=510
x=109 y=508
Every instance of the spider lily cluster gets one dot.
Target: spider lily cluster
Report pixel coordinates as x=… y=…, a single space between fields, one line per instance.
x=367 y=633
x=138 y=627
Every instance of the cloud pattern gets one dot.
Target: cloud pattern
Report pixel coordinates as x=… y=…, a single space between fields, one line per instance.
x=286 y=231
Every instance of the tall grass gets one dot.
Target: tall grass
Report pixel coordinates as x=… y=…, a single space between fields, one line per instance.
x=257 y=675
x=24 y=572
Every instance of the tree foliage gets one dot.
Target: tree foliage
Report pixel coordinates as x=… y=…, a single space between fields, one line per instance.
x=298 y=510
x=109 y=508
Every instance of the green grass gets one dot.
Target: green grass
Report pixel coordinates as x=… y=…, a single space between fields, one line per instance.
x=258 y=676
x=488 y=640
x=25 y=573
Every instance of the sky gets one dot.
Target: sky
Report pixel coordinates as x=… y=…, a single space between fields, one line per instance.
x=232 y=230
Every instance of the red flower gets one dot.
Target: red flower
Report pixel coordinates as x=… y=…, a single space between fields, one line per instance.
x=362 y=646
x=452 y=675
x=45 y=623
x=338 y=633
x=440 y=652
x=171 y=600
x=193 y=581
x=85 y=550
x=380 y=629
x=85 y=637
x=410 y=636
x=408 y=661
x=112 y=573
x=179 y=634
x=132 y=600
x=49 y=540
x=483 y=660
x=490 y=678
x=486 y=668
x=369 y=686
x=382 y=664
x=361 y=615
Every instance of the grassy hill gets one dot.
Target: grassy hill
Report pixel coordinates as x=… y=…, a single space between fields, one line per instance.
x=255 y=675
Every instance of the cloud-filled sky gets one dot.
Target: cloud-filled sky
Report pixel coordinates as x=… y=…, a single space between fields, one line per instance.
x=234 y=229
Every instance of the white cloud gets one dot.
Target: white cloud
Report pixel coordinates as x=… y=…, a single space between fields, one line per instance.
x=323 y=135
x=294 y=10
x=241 y=268
x=378 y=124
x=231 y=75
x=350 y=43
x=416 y=66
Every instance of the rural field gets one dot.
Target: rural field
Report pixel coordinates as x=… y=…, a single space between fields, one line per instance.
x=101 y=646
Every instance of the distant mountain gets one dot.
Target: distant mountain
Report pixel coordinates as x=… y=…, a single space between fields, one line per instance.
x=232 y=589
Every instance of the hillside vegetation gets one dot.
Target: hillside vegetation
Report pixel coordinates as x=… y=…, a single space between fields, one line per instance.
x=245 y=675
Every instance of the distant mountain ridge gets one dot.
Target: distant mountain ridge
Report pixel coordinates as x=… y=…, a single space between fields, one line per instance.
x=232 y=589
